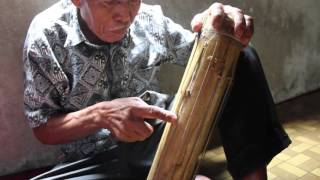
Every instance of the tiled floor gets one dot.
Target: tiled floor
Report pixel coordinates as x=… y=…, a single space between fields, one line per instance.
x=301 y=120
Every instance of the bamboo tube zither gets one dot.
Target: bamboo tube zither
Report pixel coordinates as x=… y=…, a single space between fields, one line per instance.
x=205 y=83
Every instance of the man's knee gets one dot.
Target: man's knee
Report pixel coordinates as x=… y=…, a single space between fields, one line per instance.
x=250 y=54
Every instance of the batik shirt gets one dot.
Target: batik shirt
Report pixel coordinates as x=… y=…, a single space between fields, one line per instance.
x=64 y=72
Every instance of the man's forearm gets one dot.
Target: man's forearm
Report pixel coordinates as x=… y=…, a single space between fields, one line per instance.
x=68 y=127
x=124 y=117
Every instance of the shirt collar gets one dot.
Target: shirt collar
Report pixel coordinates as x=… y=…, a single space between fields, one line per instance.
x=74 y=33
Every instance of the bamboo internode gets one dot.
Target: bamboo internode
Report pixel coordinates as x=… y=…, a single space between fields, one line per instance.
x=205 y=83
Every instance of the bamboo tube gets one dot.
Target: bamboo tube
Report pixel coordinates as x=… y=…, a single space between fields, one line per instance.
x=205 y=83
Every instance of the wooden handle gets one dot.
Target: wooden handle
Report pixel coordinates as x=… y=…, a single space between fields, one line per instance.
x=206 y=81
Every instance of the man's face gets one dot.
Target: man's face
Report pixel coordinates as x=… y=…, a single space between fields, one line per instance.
x=109 y=20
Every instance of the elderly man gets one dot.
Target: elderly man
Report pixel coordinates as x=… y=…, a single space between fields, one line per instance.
x=91 y=86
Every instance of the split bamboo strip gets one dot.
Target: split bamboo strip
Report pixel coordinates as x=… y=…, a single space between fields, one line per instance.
x=206 y=81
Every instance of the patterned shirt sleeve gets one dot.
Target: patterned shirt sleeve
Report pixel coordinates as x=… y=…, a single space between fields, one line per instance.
x=179 y=42
x=42 y=83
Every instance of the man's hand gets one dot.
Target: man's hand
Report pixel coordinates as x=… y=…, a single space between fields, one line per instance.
x=243 y=24
x=125 y=118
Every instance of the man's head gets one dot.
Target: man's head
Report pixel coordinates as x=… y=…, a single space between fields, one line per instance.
x=108 y=20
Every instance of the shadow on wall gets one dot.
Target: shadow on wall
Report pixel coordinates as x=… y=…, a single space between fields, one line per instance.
x=287 y=38
x=20 y=150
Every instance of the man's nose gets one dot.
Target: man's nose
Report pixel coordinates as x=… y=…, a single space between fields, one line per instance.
x=122 y=12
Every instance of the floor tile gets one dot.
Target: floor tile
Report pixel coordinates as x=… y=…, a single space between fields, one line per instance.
x=301 y=147
x=309 y=177
x=316 y=172
x=282 y=174
x=306 y=140
x=274 y=163
x=301 y=160
x=316 y=150
x=310 y=165
x=292 y=169
x=298 y=159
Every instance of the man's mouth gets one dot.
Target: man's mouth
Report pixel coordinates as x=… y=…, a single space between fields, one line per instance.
x=119 y=29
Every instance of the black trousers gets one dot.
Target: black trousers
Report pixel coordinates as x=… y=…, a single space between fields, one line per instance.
x=250 y=131
x=249 y=127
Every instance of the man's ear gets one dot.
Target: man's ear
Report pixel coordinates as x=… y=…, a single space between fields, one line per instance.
x=76 y=2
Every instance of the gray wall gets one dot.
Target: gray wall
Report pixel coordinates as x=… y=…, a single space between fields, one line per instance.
x=19 y=150
x=287 y=39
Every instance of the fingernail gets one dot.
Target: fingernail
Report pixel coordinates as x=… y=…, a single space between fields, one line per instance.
x=197 y=27
x=172 y=116
x=239 y=33
x=175 y=117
